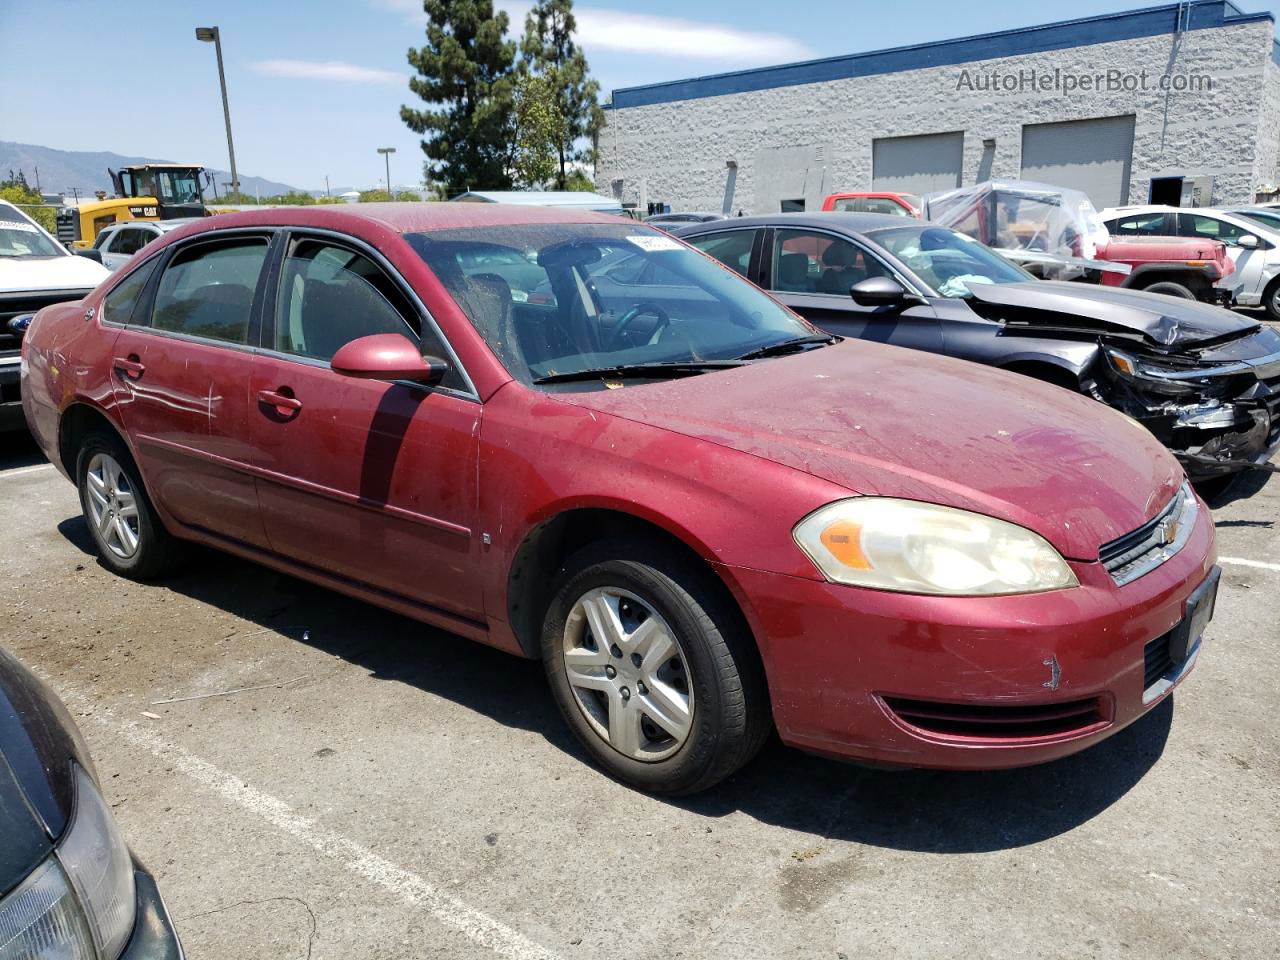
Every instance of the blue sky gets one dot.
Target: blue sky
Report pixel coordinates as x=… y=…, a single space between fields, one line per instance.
x=316 y=87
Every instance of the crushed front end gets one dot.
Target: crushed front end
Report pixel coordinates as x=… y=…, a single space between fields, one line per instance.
x=1214 y=403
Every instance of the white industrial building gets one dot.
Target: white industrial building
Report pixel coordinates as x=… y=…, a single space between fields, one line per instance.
x=1171 y=104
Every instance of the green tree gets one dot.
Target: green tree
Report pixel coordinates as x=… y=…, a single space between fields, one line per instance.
x=378 y=195
x=17 y=191
x=539 y=131
x=548 y=48
x=465 y=75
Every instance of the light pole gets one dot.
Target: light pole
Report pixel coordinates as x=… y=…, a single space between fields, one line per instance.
x=386 y=155
x=212 y=35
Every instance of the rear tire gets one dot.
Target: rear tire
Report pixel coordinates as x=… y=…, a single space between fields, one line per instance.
x=1170 y=289
x=670 y=697
x=129 y=537
x=1271 y=300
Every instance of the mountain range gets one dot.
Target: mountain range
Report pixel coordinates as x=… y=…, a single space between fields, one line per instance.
x=62 y=170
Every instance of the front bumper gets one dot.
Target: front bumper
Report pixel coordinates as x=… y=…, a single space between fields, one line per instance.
x=851 y=672
x=154 y=936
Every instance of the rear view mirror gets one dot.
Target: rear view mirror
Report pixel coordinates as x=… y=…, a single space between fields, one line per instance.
x=387 y=356
x=1248 y=241
x=881 y=292
x=90 y=253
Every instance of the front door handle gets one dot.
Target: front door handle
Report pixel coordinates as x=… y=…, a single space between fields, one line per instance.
x=130 y=366
x=282 y=401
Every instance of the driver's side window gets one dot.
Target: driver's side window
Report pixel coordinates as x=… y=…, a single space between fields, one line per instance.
x=806 y=261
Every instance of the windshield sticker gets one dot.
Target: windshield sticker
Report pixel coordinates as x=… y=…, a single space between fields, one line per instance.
x=653 y=243
x=17 y=225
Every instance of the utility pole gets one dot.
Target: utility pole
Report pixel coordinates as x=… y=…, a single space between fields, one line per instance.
x=214 y=36
x=38 y=180
x=326 y=187
x=386 y=155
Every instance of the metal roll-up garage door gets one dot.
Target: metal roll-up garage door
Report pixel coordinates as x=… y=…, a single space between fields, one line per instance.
x=1089 y=155
x=920 y=164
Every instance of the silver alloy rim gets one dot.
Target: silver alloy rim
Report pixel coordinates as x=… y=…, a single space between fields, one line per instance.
x=628 y=674
x=1275 y=302
x=113 y=508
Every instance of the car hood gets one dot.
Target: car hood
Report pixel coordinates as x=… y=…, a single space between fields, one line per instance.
x=885 y=421
x=1163 y=322
x=22 y=274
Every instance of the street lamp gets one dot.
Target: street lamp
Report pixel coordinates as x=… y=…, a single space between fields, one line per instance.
x=386 y=155
x=212 y=35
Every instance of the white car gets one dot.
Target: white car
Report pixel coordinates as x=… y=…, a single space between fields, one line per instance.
x=35 y=271
x=120 y=241
x=1251 y=245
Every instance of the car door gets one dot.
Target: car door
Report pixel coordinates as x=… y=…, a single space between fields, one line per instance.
x=370 y=480
x=181 y=370
x=1249 y=276
x=811 y=271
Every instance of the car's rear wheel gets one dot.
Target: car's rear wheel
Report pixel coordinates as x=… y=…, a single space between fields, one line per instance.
x=653 y=668
x=126 y=531
x=1271 y=299
x=1171 y=289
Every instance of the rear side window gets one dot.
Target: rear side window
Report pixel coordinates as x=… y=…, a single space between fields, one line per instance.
x=207 y=289
x=129 y=240
x=733 y=249
x=119 y=305
x=1142 y=225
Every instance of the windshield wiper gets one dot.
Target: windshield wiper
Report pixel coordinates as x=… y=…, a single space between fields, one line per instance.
x=673 y=368
x=789 y=346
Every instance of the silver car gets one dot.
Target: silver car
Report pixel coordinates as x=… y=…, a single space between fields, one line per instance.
x=120 y=241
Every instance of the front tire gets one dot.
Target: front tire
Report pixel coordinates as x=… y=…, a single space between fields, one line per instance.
x=1171 y=289
x=129 y=537
x=653 y=668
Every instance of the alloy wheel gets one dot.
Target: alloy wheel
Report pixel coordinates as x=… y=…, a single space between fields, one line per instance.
x=113 y=506
x=628 y=674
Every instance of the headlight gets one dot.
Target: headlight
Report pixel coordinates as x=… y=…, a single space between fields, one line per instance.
x=80 y=903
x=913 y=547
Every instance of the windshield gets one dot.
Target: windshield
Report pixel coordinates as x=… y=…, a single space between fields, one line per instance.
x=21 y=238
x=177 y=186
x=947 y=261
x=555 y=299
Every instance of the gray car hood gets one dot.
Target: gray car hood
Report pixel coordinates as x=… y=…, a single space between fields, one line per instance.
x=1162 y=321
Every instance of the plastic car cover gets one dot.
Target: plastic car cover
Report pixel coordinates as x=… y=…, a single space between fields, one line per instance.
x=1019 y=215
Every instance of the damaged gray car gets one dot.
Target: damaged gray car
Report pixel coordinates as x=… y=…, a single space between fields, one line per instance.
x=1204 y=380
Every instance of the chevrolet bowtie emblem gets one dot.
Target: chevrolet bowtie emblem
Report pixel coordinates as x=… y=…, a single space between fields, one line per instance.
x=1167 y=532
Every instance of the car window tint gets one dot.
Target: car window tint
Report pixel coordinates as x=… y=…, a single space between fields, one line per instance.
x=847 y=205
x=104 y=238
x=1144 y=225
x=810 y=262
x=330 y=295
x=884 y=205
x=732 y=248
x=130 y=240
x=1197 y=225
x=207 y=289
x=118 y=305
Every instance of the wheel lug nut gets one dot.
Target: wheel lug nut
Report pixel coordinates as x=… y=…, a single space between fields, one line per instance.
x=626 y=694
x=616 y=651
x=636 y=659
x=610 y=672
x=641 y=689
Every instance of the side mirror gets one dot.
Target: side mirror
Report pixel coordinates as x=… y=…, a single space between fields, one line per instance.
x=881 y=292
x=1248 y=241
x=90 y=253
x=387 y=356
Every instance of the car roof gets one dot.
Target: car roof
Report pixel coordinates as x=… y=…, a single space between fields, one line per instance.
x=849 y=222
x=402 y=217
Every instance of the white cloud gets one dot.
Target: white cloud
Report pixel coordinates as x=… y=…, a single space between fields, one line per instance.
x=335 y=70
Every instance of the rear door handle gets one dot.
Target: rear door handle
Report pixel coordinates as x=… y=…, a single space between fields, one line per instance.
x=284 y=403
x=130 y=366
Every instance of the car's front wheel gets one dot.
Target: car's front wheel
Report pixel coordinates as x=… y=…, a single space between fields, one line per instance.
x=126 y=531
x=653 y=668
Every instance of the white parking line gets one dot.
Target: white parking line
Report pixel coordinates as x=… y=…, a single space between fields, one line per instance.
x=449 y=911
x=20 y=471
x=1258 y=564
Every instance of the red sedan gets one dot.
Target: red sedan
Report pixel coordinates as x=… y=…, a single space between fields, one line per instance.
x=577 y=439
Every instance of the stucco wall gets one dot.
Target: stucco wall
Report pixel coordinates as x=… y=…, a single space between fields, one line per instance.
x=676 y=152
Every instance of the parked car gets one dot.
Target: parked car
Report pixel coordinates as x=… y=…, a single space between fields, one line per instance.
x=120 y=241
x=1202 y=379
x=69 y=886
x=1056 y=234
x=895 y=204
x=666 y=220
x=704 y=515
x=35 y=270
x=1252 y=246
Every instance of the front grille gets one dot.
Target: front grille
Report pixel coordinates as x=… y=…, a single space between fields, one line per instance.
x=1138 y=553
x=68 y=226
x=990 y=722
x=1157 y=660
x=13 y=306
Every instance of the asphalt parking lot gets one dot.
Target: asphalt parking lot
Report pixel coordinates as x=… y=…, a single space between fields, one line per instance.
x=380 y=789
